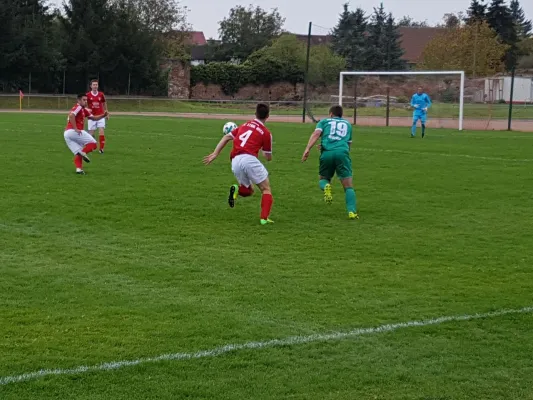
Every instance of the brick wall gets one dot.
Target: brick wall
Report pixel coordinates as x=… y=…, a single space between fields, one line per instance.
x=179 y=78
x=179 y=87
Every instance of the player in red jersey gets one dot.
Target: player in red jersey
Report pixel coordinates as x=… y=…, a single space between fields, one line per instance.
x=98 y=106
x=248 y=140
x=78 y=140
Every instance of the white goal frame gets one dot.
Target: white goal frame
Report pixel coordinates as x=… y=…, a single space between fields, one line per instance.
x=391 y=73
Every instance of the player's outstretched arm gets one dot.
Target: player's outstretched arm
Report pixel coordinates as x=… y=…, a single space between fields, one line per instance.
x=312 y=140
x=220 y=146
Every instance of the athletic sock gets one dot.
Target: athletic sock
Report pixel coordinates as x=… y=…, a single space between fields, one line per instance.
x=89 y=147
x=266 y=205
x=351 y=200
x=423 y=129
x=413 y=130
x=102 y=141
x=78 y=161
x=322 y=183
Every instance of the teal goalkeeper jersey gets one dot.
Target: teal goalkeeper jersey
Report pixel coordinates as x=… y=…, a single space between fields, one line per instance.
x=336 y=134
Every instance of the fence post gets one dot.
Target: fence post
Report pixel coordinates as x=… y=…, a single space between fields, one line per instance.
x=64 y=80
x=509 y=120
x=388 y=106
x=129 y=83
x=306 y=77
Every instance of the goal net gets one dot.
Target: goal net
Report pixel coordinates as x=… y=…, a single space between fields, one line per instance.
x=382 y=98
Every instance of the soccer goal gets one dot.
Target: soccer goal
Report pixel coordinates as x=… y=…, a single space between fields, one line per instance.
x=383 y=97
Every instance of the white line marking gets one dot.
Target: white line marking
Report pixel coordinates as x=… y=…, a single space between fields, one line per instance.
x=289 y=341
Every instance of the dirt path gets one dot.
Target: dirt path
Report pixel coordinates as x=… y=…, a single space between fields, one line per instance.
x=522 y=125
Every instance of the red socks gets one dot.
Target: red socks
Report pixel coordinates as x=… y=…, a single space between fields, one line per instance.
x=245 y=191
x=89 y=147
x=78 y=161
x=101 y=139
x=266 y=205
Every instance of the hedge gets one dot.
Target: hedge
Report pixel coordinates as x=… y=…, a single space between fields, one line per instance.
x=260 y=70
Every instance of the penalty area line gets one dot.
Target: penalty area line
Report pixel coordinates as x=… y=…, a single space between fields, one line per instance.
x=256 y=345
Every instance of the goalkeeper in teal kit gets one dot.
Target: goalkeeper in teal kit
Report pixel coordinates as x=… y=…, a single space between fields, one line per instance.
x=420 y=102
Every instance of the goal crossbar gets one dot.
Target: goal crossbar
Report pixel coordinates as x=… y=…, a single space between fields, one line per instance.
x=389 y=73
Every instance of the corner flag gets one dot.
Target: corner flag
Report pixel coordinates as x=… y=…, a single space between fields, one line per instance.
x=21 y=96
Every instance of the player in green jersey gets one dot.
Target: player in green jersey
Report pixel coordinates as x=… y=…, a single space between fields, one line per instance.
x=335 y=134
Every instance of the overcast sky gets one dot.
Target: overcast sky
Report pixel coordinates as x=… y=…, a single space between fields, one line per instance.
x=205 y=14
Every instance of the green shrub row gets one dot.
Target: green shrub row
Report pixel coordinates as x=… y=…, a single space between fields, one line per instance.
x=260 y=70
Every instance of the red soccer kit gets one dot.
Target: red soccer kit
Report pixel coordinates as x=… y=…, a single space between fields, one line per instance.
x=251 y=137
x=80 y=113
x=96 y=102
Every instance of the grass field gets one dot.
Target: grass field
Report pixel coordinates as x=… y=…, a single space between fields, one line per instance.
x=142 y=257
x=438 y=110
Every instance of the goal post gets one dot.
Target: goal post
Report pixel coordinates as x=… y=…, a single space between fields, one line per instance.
x=461 y=74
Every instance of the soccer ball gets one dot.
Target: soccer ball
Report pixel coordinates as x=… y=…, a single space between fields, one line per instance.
x=229 y=127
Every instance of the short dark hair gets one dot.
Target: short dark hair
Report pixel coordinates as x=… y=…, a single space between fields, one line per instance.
x=336 y=111
x=94 y=80
x=262 y=111
x=80 y=96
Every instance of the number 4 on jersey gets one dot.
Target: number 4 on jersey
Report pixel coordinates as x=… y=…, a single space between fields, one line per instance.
x=243 y=137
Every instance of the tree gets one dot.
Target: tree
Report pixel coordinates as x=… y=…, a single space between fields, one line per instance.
x=453 y=50
x=407 y=21
x=394 y=51
x=111 y=41
x=451 y=20
x=246 y=30
x=377 y=41
x=501 y=21
x=167 y=20
x=349 y=38
x=384 y=51
x=285 y=61
x=160 y=16
x=476 y=12
x=27 y=44
x=522 y=25
x=324 y=66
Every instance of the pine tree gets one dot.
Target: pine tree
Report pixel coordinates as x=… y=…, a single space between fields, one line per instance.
x=376 y=40
x=341 y=33
x=358 y=45
x=476 y=12
x=394 y=51
x=348 y=38
x=523 y=26
x=500 y=19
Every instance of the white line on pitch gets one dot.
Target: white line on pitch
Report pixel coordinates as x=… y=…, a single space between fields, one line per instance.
x=289 y=341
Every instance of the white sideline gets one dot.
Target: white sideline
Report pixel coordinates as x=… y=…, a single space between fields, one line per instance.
x=289 y=341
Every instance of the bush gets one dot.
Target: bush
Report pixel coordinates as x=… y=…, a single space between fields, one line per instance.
x=284 y=61
x=448 y=96
x=402 y=99
x=231 y=77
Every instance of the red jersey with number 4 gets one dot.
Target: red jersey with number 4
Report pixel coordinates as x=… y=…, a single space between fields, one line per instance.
x=250 y=138
x=95 y=102
x=80 y=114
